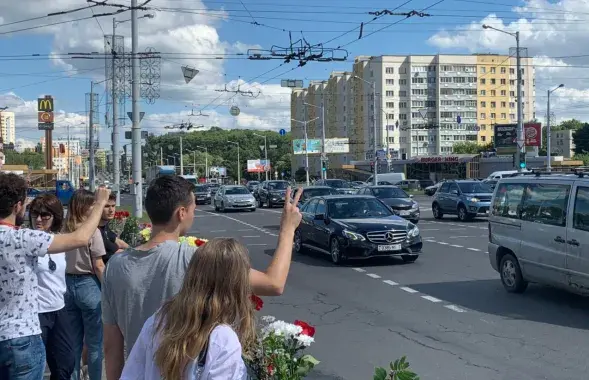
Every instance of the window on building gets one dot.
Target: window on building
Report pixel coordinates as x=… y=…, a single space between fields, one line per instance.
x=403 y=116
x=390 y=104
x=503 y=70
x=483 y=93
x=492 y=70
x=503 y=81
x=483 y=104
x=390 y=70
x=493 y=81
x=446 y=80
x=493 y=105
x=503 y=93
x=483 y=116
x=402 y=82
x=493 y=93
x=503 y=104
x=402 y=93
x=512 y=71
x=503 y=116
x=512 y=94
x=483 y=70
x=493 y=116
x=390 y=82
x=402 y=104
x=390 y=93
x=483 y=81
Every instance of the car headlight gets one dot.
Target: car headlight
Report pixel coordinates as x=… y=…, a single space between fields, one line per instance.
x=415 y=205
x=413 y=232
x=473 y=199
x=353 y=236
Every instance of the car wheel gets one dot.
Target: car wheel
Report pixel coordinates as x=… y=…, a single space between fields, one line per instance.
x=222 y=208
x=463 y=215
x=252 y=209
x=270 y=205
x=409 y=259
x=335 y=252
x=437 y=212
x=511 y=275
x=216 y=207
x=297 y=243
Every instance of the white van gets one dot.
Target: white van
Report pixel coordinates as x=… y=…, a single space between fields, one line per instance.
x=391 y=178
x=504 y=173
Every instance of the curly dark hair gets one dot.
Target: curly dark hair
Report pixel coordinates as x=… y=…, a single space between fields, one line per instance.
x=13 y=189
x=51 y=204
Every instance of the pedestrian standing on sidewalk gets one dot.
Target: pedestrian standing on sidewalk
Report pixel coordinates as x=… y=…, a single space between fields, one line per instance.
x=138 y=281
x=83 y=276
x=46 y=214
x=112 y=243
x=22 y=354
x=200 y=332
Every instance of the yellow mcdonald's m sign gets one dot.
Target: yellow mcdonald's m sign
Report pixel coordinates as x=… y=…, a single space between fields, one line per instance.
x=45 y=104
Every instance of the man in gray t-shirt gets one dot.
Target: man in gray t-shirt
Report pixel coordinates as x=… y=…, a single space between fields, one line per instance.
x=138 y=281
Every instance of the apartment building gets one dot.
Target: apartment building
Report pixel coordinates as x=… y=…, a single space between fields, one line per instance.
x=7 y=127
x=562 y=143
x=421 y=105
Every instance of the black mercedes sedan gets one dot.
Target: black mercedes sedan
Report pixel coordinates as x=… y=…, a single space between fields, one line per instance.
x=314 y=191
x=397 y=199
x=355 y=227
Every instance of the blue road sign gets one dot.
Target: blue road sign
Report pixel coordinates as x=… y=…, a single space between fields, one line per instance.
x=282 y=132
x=458 y=119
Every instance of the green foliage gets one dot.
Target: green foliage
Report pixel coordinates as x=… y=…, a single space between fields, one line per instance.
x=33 y=160
x=399 y=370
x=470 y=147
x=581 y=139
x=220 y=152
x=130 y=233
x=582 y=157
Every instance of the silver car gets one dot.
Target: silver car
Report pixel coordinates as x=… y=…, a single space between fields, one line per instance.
x=234 y=197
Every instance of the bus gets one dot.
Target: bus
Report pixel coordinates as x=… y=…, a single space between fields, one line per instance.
x=191 y=178
x=154 y=172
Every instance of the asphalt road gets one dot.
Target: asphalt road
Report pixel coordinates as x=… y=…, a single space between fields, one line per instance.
x=447 y=312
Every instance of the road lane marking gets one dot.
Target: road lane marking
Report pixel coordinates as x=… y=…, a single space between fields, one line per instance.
x=252 y=236
x=245 y=229
x=218 y=231
x=443 y=243
x=429 y=229
x=240 y=222
x=359 y=270
x=474 y=249
x=273 y=211
x=392 y=283
x=456 y=246
x=373 y=275
x=251 y=244
x=432 y=299
x=408 y=290
x=455 y=308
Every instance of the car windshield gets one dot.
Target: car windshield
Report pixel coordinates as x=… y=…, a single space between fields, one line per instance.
x=252 y=183
x=310 y=193
x=389 y=192
x=357 y=208
x=201 y=189
x=338 y=184
x=277 y=185
x=474 y=187
x=236 y=191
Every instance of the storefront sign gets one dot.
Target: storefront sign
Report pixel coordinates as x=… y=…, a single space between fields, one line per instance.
x=533 y=133
x=438 y=159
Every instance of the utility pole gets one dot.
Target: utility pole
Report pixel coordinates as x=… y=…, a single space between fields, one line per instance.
x=238 y=168
x=116 y=143
x=181 y=158
x=91 y=163
x=549 y=131
x=521 y=145
x=161 y=156
x=136 y=129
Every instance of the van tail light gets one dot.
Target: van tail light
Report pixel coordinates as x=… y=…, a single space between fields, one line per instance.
x=489 y=228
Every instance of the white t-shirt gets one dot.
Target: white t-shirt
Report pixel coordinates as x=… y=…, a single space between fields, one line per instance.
x=223 y=361
x=51 y=283
x=19 y=300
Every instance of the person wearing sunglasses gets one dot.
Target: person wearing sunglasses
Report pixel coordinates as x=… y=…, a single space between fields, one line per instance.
x=46 y=214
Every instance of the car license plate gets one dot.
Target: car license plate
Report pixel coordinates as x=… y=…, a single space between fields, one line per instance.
x=404 y=213
x=391 y=247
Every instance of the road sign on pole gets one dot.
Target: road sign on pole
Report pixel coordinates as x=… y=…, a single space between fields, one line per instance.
x=141 y=114
x=189 y=73
x=282 y=132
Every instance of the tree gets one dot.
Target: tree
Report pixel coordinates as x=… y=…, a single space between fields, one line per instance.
x=470 y=147
x=581 y=139
x=220 y=152
x=33 y=160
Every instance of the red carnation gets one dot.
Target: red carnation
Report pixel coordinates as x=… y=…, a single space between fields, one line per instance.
x=199 y=242
x=258 y=303
x=126 y=214
x=307 y=328
x=270 y=369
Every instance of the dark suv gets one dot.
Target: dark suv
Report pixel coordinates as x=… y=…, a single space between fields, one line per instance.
x=271 y=193
x=465 y=198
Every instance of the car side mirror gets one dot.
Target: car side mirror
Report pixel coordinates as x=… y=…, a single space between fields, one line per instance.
x=410 y=195
x=454 y=192
x=319 y=217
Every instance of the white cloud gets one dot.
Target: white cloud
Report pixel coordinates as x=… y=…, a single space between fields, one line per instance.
x=180 y=35
x=554 y=33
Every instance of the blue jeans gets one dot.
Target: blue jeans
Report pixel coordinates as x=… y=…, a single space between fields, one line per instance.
x=22 y=358
x=82 y=303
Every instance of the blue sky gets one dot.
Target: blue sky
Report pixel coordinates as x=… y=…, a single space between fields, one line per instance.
x=188 y=31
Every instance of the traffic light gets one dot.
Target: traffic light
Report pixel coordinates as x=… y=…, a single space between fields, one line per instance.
x=522 y=160
x=324 y=165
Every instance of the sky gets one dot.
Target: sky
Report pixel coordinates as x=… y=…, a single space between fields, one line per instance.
x=216 y=37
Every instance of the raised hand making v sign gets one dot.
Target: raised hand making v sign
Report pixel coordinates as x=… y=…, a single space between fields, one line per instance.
x=272 y=282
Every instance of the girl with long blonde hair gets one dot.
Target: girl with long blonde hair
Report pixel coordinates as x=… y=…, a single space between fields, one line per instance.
x=201 y=332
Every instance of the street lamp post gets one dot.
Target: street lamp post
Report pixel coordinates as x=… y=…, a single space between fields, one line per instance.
x=206 y=161
x=265 y=152
x=238 y=168
x=373 y=84
x=323 y=153
x=548 y=131
x=306 y=145
x=521 y=149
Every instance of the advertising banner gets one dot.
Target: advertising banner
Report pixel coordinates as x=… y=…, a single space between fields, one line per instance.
x=505 y=135
x=258 y=166
x=218 y=171
x=313 y=146
x=533 y=133
x=337 y=145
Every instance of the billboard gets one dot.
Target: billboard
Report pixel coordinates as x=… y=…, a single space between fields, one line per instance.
x=337 y=145
x=313 y=146
x=533 y=133
x=45 y=117
x=258 y=166
x=217 y=171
